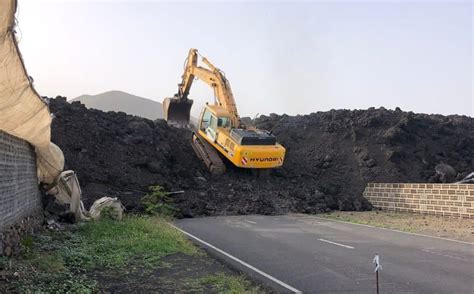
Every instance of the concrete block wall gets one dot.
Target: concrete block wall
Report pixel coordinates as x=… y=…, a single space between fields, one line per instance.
x=454 y=200
x=19 y=193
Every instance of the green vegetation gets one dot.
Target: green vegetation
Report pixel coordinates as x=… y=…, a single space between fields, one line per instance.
x=59 y=261
x=90 y=257
x=112 y=244
x=109 y=213
x=158 y=202
x=229 y=284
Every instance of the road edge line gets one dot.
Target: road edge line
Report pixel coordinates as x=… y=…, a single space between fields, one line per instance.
x=393 y=230
x=270 y=279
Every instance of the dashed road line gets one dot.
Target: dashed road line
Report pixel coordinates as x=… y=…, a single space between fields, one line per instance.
x=338 y=244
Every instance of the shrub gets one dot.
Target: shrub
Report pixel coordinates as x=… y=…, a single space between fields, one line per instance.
x=158 y=202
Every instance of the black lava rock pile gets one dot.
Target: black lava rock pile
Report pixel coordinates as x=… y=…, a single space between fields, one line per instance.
x=330 y=158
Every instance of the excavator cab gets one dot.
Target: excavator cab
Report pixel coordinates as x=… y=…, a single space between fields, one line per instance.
x=212 y=119
x=177 y=111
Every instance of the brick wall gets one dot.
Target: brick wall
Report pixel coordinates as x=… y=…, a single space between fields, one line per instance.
x=19 y=194
x=455 y=200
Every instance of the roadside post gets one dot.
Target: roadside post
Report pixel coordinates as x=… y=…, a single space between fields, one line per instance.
x=378 y=267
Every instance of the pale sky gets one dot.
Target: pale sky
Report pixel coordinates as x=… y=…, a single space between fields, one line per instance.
x=294 y=58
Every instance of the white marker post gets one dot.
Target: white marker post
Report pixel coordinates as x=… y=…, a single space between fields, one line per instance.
x=378 y=266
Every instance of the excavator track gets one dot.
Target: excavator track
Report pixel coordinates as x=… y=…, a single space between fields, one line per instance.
x=208 y=155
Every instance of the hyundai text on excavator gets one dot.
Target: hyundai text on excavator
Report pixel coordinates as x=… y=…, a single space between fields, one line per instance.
x=219 y=129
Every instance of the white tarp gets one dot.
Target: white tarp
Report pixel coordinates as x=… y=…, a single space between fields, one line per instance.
x=23 y=113
x=67 y=191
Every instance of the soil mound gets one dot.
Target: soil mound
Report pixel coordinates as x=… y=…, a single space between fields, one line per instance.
x=343 y=150
x=330 y=158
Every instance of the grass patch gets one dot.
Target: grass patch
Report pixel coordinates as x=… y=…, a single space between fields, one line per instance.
x=112 y=244
x=227 y=284
x=59 y=262
x=140 y=254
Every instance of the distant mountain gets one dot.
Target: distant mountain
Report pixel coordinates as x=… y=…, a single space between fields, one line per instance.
x=121 y=101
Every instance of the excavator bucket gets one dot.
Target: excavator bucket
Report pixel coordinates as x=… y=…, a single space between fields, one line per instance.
x=177 y=111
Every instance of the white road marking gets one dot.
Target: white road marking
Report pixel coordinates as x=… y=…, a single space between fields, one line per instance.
x=338 y=244
x=249 y=221
x=398 y=231
x=283 y=284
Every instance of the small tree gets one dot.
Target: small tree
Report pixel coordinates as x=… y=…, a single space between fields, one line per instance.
x=158 y=202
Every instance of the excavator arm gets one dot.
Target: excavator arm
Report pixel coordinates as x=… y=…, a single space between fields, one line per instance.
x=176 y=110
x=188 y=77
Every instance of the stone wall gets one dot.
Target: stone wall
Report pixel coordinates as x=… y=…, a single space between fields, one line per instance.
x=454 y=200
x=19 y=194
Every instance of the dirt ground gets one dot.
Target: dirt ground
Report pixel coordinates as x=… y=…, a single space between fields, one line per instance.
x=453 y=228
x=179 y=273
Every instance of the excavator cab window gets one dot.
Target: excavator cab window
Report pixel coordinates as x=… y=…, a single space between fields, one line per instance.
x=223 y=122
x=209 y=124
x=213 y=123
x=211 y=130
x=206 y=119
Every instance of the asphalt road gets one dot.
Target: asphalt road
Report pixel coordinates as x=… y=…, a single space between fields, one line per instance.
x=322 y=256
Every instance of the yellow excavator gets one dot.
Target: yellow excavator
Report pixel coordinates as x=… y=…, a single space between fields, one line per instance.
x=219 y=130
